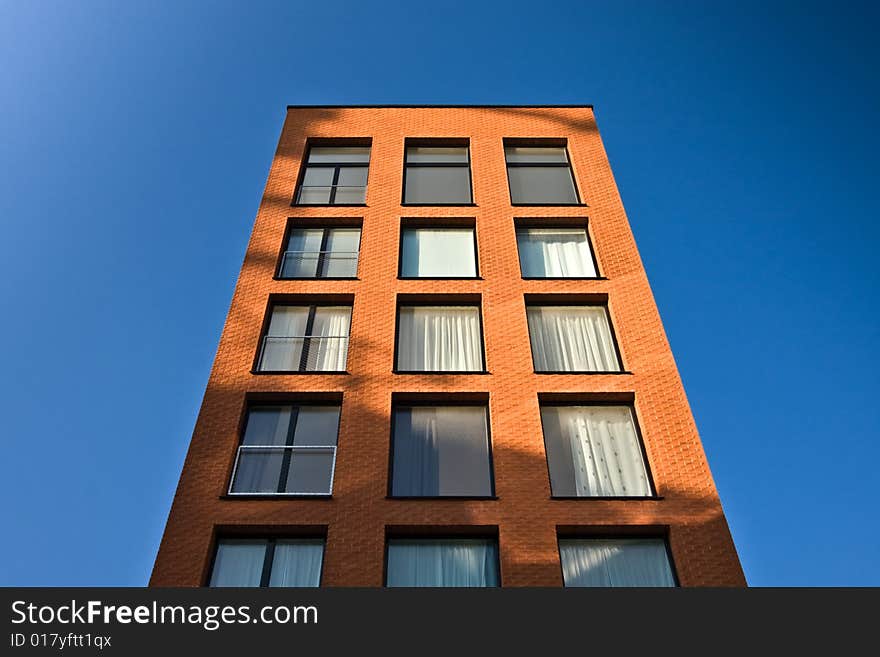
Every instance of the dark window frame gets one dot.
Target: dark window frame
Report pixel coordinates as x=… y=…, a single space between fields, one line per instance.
x=560 y=223
x=310 y=322
x=441 y=403
x=331 y=223
x=536 y=301
x=443 y=535
x=305 y=165
x=541 y=143
x=654 y=496
x=437 y=143
x=445 y=301
x=443 y=224
x=636 y=533
x=269 y=555
x=291 y=431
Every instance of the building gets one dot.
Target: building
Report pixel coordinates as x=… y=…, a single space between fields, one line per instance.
x=443 y=364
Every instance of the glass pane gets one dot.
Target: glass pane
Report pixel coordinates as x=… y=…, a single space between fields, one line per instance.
x=338 y=154
x=614 y=563
x=238 y=563
x=258 y=470
x=342 y=259
x=441 y=451
x=283 y=343
x=555 y=253
x=316 y=186
x=267 y=425
x=434 y=154
x=351 y=185
x=455 y=562
x=439 y=339
x=311 y=472
x=571 y=339
x=437 y=185
x=535 y=154
x=594 y=451
x=297 y=563
x=288 y=321
x=316 y=425
x=541 y=185
x=301 y=258
x=430 y=252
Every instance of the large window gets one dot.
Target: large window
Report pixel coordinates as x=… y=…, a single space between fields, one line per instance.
x=620 y=562
x=539 y=175
x=306 y=339
x=268 y=562
x=437 y=253
x=441 y=451
x=437 y=175
x=321 y=253
x=334 y=175
x=439 y=339
x=287 y=450
x=594 y=451
x=572 y=339
x=461 y=562
x=555 y=253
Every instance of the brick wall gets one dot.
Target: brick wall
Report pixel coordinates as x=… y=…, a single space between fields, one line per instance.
x=358 y=515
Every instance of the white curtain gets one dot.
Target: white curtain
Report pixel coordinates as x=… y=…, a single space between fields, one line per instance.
x=238 y=563
x=283 y=346
x=439 y=338
x=343 y=245
x=555 y=253
x=442 y=252
x=571 y=339
x=602 y=448
x=285 y=339
x=297 y=563
x=460 y=563
x=329 y=354
x=623 y=562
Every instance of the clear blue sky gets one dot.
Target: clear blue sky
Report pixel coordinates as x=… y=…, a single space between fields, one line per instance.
x=135 y=139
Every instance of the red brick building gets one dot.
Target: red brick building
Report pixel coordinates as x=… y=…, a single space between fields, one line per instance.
x=443 y=365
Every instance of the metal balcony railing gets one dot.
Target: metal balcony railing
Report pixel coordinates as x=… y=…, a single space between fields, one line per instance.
x=319 y=264
x=331 y=194
x=304 y=353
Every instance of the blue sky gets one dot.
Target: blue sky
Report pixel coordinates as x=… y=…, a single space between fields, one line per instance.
x=135 y=139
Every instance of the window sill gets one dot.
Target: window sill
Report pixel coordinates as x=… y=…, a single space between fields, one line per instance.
x=316 y=278
x=611 y=498
x=328 y=205
x=275 y=496
x=549 y=205
x=565 y=278
x=440 y=278
x=287 y=372
x=439 y=205
x=581 y=372
x=488 y=498
x=457 y=372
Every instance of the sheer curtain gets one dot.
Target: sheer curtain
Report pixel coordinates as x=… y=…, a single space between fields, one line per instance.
x=297 y=563
x=238 y=563
x=259 y=471
x=603 y=448
x=555 y=253
x=441 y=252
x=329 y=354
x=416 y=453
x=460 y=563
x=343 y=245
x=571 y=339
x=283 y=346
x=439 y=338
x=623 y=562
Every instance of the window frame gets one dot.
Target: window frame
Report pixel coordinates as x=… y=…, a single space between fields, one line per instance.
x=541 y=143
x=269 y=556
x=437 y=143
x=539 y=301
x=467 y=302
x=440 y=402
x=631 y=532
x=288 y=447
x=438 y=536
x=305 y=165
x=444 y=224
x=639 y=437
x=330 y=223
x=312 y=305
x=558 y=223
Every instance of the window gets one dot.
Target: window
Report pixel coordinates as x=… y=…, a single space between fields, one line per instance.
x=321 y=253
x=441 y=451
x=539 y=175
x=306 y=339
x=555 y=253
x=594 y=451
x=335 y=175
x=438 y=253
x=268 y=562
x=287 y=450
x=437 y=175
x=444 y=562
x=621 y=562
x=439 y=339
x=571 y=339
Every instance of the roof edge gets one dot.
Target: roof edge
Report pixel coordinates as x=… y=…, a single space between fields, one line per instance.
x=582 y=106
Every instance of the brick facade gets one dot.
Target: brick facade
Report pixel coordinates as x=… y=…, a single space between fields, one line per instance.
x=525 y=517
